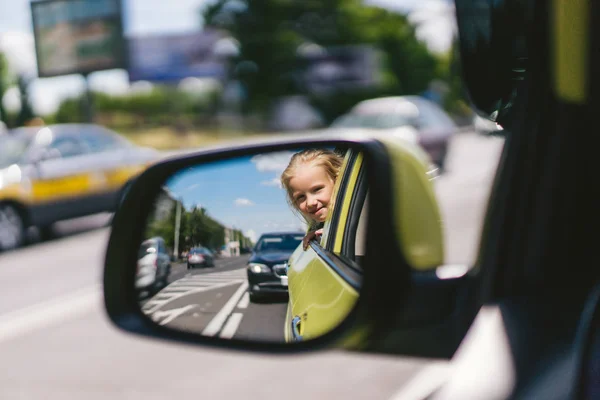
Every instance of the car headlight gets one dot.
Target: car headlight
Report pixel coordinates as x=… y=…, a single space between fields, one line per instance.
x=259 y=268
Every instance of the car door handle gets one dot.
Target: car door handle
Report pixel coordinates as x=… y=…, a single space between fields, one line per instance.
x=296 y=328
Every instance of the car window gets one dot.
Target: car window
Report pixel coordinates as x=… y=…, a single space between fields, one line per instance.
x=353 y=216
x=99 y=141
x=66 y=146
x=279 y=243
x=349 y=200
x=361 y=233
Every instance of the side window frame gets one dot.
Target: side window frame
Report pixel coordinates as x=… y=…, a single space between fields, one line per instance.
x=347 y=268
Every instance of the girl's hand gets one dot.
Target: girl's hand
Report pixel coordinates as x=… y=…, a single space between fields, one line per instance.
x=310 y=236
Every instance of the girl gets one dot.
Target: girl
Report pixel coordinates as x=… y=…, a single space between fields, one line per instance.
x=308 y=180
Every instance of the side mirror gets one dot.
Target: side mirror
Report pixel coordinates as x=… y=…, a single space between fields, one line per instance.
x=494 y=52
x=284 y=298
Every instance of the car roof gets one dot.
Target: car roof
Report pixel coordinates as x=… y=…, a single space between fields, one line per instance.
x=74 y=129
x=385 y=104
x=277 y=234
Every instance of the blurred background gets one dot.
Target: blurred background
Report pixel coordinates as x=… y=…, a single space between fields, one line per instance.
x=165 y=77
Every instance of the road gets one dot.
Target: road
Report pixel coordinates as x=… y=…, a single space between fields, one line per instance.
x=57 y=343
x=215 y=302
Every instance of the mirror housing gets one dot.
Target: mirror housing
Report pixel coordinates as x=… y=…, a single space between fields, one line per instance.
x=398 y=228
x=493 y=48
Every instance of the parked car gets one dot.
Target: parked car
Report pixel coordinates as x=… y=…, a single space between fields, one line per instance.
x=411 y=118
x=200 y=257
x=64 y=171
x=153 y=266
x=267 y=265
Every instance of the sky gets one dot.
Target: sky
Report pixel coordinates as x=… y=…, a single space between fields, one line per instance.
x=434 y=19
x=242 y=193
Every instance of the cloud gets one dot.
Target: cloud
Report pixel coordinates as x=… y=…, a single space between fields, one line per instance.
x=243 y=202
x=276 y=162
x=273 y=182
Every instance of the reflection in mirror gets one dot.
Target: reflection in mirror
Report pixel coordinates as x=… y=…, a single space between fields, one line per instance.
x=223 y=254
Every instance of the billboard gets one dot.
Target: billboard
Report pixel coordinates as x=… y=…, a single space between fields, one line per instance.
x=343 y=67
x=171 y=58
x=77 y=36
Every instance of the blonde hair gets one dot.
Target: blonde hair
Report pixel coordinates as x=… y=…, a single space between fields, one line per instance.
x=327 y=159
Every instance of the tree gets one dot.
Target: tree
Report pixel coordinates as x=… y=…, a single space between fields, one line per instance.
x=5 y=82
x=270 y=33
x=26 y=113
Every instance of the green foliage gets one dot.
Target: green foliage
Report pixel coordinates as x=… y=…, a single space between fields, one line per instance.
x=151 y=109
x=26 y=113
x=197 y=228
x=270 y=32
x=5 y=82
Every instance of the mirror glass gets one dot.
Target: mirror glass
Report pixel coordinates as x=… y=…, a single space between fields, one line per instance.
x=222 y=254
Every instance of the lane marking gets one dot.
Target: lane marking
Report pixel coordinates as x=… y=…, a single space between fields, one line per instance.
x=425 y=382
x=170 y=315
x=30 y=319
x=218 y=321
x=244 y=301
x=154 y=305
x=231 y=326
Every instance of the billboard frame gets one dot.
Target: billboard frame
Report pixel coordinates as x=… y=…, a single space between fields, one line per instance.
x=122 y=55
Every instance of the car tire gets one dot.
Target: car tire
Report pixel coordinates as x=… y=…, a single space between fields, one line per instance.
x=12 y=228
x=253 y=297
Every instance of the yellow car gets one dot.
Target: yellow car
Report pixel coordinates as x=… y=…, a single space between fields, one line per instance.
x=325 y=280
x=58 y=172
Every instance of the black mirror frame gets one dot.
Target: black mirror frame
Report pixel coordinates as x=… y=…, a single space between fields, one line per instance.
x=369 y=312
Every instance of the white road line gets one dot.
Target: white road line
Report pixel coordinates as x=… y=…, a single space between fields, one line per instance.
x=172 y=314
x=244 y=301
x=217 y=322
x=231 y=326
x=161 y=303
x=425 y=382
x=50 y=312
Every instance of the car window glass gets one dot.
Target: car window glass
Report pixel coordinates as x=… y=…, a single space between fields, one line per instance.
x=361 y=232
x=66 y=147
x=355 y=213
x=98 y=140
x=279 y=243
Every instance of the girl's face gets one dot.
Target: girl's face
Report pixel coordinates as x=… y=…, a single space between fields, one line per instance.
x=311 y=190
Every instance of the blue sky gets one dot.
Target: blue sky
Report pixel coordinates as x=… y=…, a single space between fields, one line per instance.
x=243 y=193
x=434 y=17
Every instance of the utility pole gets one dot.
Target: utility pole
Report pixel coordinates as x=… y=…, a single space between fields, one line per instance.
x=177 y=228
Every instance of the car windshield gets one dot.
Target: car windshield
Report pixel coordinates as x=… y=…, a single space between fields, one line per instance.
x=199 y=251
x=12 y=149
x=279 y=243
x=145 y=249
x=373 y=121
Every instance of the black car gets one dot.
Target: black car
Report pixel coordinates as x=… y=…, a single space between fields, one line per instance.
x=200 y=257
x=267 y=266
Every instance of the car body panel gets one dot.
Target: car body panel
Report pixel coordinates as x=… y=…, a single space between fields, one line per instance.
x=321 y=293
x=320 y=298
x=417 y=217
x=321 y=306
x=421 y=121
x=53 y=189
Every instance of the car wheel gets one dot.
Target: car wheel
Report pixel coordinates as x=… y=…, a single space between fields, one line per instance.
x=12 y=229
